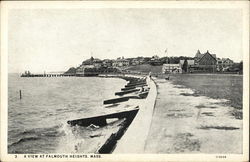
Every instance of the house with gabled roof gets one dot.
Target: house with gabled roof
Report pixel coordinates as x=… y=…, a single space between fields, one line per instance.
x=227 y=62
x=199 y=55
x=224 y=64
x=107 y=63
x=205 y=62
x=93 y=61
x=120 y=62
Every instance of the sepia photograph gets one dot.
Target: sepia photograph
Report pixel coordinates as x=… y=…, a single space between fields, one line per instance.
x=125 y=81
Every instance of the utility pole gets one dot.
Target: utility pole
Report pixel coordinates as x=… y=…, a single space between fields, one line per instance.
x=20 y=94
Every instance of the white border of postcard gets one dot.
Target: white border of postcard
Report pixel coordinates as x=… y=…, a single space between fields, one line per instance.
x=243 y=5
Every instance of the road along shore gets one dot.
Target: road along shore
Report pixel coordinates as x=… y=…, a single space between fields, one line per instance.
x=187 y=123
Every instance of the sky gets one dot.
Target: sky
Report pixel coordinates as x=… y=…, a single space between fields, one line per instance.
x=56 y=39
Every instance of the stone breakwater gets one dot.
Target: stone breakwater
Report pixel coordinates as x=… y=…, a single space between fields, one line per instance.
x=122 y=109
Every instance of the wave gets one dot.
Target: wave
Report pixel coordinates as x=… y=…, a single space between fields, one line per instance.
x=44 y=102
x=38 y=133
x=25 y=140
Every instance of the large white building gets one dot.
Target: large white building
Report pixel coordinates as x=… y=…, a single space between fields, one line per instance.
x=120 y=63
x=171 y=68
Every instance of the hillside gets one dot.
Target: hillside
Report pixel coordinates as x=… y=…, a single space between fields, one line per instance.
x=146 y=68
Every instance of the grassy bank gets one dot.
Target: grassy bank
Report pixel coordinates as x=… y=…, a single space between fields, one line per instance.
x=228 y=87
x=216 y=86
x=145 y=68
x=184 y=122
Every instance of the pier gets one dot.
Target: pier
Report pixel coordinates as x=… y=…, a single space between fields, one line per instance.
x=47 y=75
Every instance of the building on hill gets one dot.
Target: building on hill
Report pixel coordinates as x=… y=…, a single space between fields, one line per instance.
x=227 y=62
x=145 y=60
x=199 y=55
x=206 y=62
x=93 y=61
x=88 y=61
x=107 y=63
x=81 y=71
x=155 y=57
x=171 y=68
x=130 y=60
x=155 y=60
x=97 y=63
x=120 y=62
x=141 y=60
x=135 y=62
x=224 y=64
x=93 y=70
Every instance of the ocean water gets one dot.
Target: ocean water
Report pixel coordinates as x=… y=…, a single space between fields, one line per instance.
x=37 y=123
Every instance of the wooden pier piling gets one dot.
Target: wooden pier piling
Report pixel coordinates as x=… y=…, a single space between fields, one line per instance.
x=20 y=94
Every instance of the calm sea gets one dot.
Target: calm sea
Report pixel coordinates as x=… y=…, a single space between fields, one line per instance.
x=37 y=123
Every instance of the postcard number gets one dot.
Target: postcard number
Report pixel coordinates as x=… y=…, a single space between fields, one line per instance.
x=221 y=156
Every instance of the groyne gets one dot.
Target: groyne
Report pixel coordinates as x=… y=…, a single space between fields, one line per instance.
x=134 y=140
x=126 y=107
x=141 y=92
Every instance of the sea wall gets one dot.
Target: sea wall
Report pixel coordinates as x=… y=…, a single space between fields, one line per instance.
x=133 y=141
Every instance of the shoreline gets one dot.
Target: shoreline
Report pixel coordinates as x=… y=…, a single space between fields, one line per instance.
x=141 y=121
x=55 y=108
x=139 y=130
x=141 y=125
